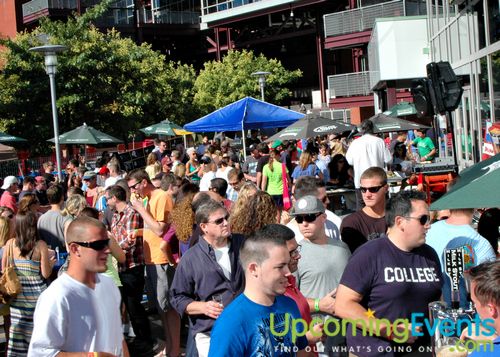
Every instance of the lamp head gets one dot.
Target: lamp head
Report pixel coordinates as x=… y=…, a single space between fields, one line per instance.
x=50 y=53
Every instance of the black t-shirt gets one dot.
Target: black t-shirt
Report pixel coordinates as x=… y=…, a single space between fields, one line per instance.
x=394 y=284
x=263 y=160
x=359 y=228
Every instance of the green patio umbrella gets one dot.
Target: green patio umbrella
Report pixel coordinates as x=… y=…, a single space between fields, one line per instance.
x=477 y=187
x=401 y=109
x=310 y=126
x=386 y=124
x=86 y=135
x=6 y=138
x=164 y=127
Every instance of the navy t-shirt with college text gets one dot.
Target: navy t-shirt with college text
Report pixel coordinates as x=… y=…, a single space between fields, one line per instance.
x=394 y=284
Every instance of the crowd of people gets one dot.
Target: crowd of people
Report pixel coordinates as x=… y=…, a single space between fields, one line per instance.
x=243 y=249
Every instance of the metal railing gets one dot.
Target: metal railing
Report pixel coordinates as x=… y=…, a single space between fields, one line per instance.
x=337 y=114
x=35 y=6
x=125 y=17
x=361 y=19
x=212 y=6
x=165 y=16
x=349 y=84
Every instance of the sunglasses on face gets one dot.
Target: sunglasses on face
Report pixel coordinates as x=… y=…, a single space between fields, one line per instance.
x=309 y=218
x=133 y=187
x=97 y=245
x=423 y=219
x=373 y=189
x=221 y=220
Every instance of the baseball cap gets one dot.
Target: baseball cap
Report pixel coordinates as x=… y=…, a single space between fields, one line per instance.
x=307 y=205
x=9 y=180
x=103 y=170
x=276 y=144
x=89 y=175
x=252 y=147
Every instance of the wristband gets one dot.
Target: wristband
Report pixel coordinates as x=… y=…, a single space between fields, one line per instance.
x=93 y=354
x=316 y=305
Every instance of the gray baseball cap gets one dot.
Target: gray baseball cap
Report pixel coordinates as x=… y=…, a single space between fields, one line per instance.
x=307 y=205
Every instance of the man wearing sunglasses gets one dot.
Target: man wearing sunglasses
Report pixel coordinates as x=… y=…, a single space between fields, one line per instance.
x=313 y=186
x=322 y=262
x=79 y=313
x=367 y=151
x=369 y=222
x=393 y=277
x=154 y=205
x=209 y=275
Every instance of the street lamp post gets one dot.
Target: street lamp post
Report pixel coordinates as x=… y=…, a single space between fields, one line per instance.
x=50 y=53
x=262 y=81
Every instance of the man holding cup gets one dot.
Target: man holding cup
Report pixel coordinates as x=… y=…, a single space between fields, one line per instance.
x=209 y=274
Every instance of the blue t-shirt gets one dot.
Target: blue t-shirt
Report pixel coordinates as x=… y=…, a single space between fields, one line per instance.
x=311 y=170
x=477 y=250
x=244 y=329
x=394 y=284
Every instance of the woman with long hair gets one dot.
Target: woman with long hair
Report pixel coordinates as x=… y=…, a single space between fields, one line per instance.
x=74 y=206
x=29 y=202
x=306 y=167
x=6 y=232
x=341 y=172
x=247 y=190
x=31 y=261
x=272 y=178
x=259 y=210
x=183 y=220
x=153 y=167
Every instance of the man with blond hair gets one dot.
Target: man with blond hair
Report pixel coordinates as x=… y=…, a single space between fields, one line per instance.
x=79 y=313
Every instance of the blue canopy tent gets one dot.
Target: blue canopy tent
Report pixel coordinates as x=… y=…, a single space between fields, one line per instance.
x=244 y=114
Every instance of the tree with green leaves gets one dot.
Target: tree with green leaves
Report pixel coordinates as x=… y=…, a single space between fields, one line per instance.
x=103 y=79
x=221 y=83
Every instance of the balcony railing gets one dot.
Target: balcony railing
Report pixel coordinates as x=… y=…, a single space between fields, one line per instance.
x=361 y=19
x=34 y=6
x=211 y=6
x=165 y=16
x=349 y=84
x=125 y=17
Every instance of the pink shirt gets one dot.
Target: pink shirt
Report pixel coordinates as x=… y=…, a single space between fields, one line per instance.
x=8 y=200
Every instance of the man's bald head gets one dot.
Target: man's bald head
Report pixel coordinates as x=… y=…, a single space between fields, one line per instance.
x=78 y=230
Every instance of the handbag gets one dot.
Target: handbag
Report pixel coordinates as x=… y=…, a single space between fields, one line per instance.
x=10 y=286
x=287 y=202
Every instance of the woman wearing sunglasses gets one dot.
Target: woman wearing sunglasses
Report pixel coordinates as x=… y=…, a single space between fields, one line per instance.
x=30 y=257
